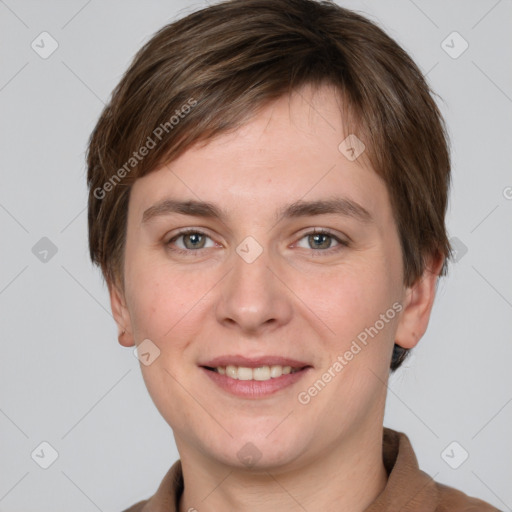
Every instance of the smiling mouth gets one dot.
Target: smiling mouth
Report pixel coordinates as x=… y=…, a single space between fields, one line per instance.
x=260 y=373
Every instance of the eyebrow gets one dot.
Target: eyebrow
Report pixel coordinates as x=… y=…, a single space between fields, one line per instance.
x=339 y=205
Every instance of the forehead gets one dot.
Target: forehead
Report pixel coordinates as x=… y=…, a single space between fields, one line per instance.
x=291 y=149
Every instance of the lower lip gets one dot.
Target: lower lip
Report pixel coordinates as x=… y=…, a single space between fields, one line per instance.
x=255 y=388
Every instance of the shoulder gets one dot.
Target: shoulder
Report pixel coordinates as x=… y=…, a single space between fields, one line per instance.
x=452 y=500
x=138 y=507
x=414 y=489
x=167 y=495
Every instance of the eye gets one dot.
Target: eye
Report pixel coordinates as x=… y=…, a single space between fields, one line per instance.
x=190 y=240
x=320 y=240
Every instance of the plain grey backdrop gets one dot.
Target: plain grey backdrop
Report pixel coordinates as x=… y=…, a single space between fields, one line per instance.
x=66 y=382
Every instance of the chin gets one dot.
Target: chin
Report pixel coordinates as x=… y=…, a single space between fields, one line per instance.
x=259 y=448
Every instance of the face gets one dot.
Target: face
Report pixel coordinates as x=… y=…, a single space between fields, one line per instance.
x=263 y=250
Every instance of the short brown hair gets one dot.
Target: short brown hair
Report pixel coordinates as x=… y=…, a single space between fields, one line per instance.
x=228 y=60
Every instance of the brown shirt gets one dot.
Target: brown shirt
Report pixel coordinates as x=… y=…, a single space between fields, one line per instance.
x=408 y=489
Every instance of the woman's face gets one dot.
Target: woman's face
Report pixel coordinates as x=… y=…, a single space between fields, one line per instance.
x=278 y=279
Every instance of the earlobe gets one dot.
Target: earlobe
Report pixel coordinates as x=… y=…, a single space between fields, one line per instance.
x=121 y=316
x=418 y=306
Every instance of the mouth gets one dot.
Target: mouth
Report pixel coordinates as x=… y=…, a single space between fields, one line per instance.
x=259 y=373
x=254 y=378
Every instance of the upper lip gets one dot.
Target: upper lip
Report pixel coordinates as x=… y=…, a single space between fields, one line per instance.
x=253 y=362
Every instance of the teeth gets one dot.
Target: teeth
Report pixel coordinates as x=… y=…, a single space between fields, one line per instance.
x=260 y=373
x=276 y=371
x=244 y=373
x=232 y=371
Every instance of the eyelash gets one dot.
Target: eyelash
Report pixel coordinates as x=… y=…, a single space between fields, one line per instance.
x=342 y=243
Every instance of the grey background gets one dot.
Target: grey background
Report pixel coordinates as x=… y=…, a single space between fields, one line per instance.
x=63 y=377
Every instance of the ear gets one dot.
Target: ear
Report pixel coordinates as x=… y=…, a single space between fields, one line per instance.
x=121 y=315
x=418 y=305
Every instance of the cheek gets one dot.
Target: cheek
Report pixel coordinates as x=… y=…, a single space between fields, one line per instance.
x=149 y=307
x=351 y=298
x=170 y=308
x=161 y=301
x=358 y=309
x=164 y=308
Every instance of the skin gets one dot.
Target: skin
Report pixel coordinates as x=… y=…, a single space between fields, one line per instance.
x=295 y=300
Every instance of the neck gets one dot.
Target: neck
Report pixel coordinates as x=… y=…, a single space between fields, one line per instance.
x=346 y=477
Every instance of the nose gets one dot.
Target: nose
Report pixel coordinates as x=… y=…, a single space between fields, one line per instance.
x=252 y=298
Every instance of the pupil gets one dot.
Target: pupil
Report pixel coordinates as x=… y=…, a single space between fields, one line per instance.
x=194 y=240
x=322 y=238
